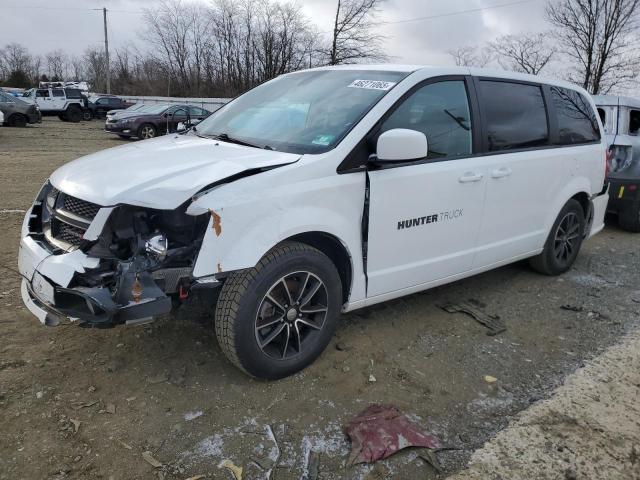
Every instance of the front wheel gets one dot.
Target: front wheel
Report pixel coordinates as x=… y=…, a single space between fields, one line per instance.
x=564 y=241
x=17 y=120
x=276 y=318
x=73 y=114
x=146 y=131
x=87 y=115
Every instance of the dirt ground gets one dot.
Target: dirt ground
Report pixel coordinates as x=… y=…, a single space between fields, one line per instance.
x=78 y=403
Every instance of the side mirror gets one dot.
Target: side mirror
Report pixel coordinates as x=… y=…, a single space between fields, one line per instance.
x=401 y=145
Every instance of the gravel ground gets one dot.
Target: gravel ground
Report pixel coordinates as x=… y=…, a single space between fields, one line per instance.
x=78 y=403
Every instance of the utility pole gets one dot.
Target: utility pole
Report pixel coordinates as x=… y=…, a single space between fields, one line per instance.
x=106 y=49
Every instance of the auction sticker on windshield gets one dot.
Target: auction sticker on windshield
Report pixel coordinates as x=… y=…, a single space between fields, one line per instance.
x=372 y=84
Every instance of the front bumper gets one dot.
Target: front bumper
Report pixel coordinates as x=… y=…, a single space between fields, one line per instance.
x=117 y=129
x=48 y=293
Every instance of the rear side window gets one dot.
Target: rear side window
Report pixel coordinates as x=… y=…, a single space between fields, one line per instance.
x=577 y=122
x=73 y=93
x=634 y=122
x=42 y=93
x=440 y=111
x=515 y=116
x=57 y=92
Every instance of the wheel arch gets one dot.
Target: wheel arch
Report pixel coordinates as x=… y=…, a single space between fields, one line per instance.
x=577 y=189
x=333 y=248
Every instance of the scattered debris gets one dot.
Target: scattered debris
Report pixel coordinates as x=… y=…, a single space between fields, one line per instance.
x=76 y=424
x=39 y=395
x=125 y=445
x=313 y=465
x=235 y=470
x=430 y=457
x=148 y=457
x=158 y=378
x=193 y=415
x=272 y=437
x=342 y=347
x=84 y=405
x=91 y=389
x=372 y=378
x=490 y=379
x=492 y=322
x=111 y=408
x=196 y=477
x=572 y=308
x=380 y=431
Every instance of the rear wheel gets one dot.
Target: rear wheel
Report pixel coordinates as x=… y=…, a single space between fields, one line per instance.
x=276 y=318
x=73 y=114
x=17 y=120
x=563 y=243
x=146 y=131
x=629 y=218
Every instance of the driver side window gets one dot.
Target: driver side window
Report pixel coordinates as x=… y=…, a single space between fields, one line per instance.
x=440 y=111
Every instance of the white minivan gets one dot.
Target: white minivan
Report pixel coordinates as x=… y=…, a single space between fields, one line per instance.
x=316 y=193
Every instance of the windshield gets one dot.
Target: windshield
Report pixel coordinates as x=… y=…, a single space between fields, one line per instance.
x=153 y=109
x=307 y=112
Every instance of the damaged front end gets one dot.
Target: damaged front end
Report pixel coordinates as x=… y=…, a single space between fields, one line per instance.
x=106 y=265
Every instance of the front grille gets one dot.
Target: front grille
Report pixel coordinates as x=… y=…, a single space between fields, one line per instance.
x=66 y=233
x=79 y=207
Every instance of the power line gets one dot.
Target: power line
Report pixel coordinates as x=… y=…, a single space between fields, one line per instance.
x=85 y=9
x=459 y=12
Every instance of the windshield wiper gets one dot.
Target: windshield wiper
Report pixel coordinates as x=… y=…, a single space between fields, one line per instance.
x=226 y=138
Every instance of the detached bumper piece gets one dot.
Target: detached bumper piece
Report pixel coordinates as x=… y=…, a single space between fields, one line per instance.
x=137 y=300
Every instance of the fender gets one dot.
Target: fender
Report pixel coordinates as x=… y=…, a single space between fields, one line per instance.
x=576 y=185
x=251 y=215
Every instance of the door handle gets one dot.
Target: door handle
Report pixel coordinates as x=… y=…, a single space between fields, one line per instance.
x=470 y=177
x=501 y=172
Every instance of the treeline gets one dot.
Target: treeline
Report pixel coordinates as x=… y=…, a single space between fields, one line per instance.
x=215 y=50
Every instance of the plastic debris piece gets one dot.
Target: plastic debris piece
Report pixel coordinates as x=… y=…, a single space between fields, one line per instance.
x=235 y=470
x=382 y=430
x=76 y=424
x=148 y=457
x=196 y=477
x=372 y=378
x=492 y=322
x=490 y=379
x=111 y=408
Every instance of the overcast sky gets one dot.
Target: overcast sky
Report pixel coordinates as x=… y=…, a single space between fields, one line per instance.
x=72 y=25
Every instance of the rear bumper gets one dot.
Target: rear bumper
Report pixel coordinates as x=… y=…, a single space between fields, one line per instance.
x=599 y=203
x=35 y=117
x=623 y=194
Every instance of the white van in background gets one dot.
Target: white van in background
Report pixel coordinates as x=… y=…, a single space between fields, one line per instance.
x=320 y=192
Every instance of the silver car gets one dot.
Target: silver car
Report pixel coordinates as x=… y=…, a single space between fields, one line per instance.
x=621 y=119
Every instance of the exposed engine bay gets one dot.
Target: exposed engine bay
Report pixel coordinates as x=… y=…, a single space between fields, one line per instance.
x=145 y=257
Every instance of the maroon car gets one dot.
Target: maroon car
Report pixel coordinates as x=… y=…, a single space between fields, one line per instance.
x=154 y=120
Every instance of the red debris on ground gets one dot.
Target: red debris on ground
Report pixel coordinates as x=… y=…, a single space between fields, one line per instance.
x=382 y=430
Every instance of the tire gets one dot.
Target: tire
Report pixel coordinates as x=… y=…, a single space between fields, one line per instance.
x=73 y=113
x=87 y=115
x=146 y=131
x=629 y=218
x=292 y=335
x=17 y=120
x=563 y=243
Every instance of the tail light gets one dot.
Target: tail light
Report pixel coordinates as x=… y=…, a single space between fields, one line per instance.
x=618 y=158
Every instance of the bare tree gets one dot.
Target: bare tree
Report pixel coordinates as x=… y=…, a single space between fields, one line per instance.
x=57 y=62
x=526 y=53
x=601 y=38
x=471 y=56
x=354 y=36
x=15 y=58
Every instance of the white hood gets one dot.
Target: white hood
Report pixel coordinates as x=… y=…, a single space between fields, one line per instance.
x=161 y=173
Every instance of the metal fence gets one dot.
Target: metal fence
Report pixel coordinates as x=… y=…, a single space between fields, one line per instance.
x=211 y=104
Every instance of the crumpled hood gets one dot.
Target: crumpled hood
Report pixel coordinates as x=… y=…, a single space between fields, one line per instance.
x=161 y=173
